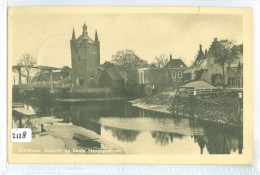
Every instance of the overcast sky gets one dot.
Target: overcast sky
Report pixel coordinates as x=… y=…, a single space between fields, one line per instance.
x=47 y=35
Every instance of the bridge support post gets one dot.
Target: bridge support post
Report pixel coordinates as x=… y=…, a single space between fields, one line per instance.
x=20 y=75
x=174 y=103
x=177 y=105
x=51 y=79
x=20 y=122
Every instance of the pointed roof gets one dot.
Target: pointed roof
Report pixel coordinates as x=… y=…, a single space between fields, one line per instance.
x=200 y=55
x=202 y=65
x=175 y=63
x=83 y=36
x=114 y=74
x=73 y=35
x=96 y=37
x=84 y=26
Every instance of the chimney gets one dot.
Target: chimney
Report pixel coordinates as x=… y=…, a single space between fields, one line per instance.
x=215 y=39
x=170 y=56
x=206 y=51
x=200 y=47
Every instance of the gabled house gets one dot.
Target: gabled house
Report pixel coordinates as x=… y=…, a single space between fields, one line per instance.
x=175 y=69
x=205 y=68
x=109 y=77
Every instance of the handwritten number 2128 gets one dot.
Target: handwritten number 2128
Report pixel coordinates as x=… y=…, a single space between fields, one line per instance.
x=19 y=135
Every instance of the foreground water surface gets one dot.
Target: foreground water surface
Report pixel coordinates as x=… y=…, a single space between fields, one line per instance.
x=139 y=131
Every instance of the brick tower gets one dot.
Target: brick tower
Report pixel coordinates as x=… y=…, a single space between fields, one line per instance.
x=85 y=58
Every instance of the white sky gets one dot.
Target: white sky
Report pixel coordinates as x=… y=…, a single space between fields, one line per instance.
x=47 y=35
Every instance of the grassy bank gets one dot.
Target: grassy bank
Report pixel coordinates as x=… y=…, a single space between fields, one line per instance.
x=160 y=102
x=220 y=107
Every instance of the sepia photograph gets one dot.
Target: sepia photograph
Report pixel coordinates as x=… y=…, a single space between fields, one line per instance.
x=126 y=85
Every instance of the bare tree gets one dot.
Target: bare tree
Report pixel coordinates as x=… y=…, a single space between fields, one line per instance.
x=27 y=61
x=66 y=71
x=160 y=60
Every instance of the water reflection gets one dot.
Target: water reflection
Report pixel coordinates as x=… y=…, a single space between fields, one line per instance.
x=123 y=134
x=164 y=138
x=86 y=143
x=139 y=131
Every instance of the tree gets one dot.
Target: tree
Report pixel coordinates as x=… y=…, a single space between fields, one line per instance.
x=127 y=59
x=225 y=51
x=160 y=61
x=28 y=62
x=65 y=72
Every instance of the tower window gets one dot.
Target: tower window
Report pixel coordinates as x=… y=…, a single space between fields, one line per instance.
x=76 y=50
x=78 y=57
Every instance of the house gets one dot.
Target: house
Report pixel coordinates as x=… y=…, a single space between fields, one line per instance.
x=109 y=77
x=172 y=74
x=235 y=70
x=175 y=69
x=205 y=68
x=154 y=77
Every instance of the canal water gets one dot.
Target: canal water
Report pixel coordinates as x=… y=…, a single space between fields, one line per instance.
x=139 y=131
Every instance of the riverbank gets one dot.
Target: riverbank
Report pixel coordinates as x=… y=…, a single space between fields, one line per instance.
x=64 y=138
x=220 y=107
x=160 y=102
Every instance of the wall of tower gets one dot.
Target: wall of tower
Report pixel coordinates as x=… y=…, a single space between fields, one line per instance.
x=85 y=58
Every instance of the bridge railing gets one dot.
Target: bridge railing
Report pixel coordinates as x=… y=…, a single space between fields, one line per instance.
x=196 y=91
x=47 y=86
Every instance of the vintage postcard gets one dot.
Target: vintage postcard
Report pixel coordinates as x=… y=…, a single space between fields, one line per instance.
x=120 y=85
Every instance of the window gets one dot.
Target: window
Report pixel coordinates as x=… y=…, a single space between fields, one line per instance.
x=173 y=75
x=179 y=74
x=92 y=81
x=235 y=81
x=78 y=57
x=76 y=50
x=79 y=81
x=230 y=81
x=141 y=77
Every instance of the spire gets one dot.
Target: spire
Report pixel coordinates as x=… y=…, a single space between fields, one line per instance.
x=96 y=37
x=84 y=26
x=85 y=32
x=73 y=35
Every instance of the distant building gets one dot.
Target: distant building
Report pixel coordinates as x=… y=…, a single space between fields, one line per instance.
x=159 y=78
x=132 y=86
x=175 y=69
x=44 y=78
x=154 y=76
x=85 y=58
x=109 y=77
